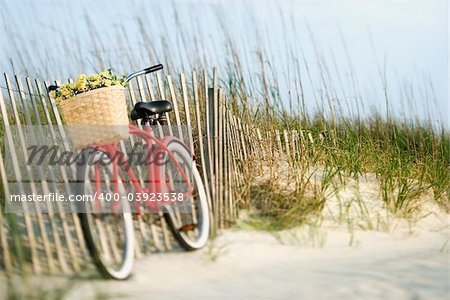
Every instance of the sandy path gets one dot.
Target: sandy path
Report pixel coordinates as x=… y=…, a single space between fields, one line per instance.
x=410 y=264
x=355 y=248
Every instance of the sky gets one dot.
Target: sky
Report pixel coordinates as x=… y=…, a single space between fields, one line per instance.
x=405 y=42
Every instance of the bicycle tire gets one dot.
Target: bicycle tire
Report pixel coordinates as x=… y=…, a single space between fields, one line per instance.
x=203 y=223
x=90 y=223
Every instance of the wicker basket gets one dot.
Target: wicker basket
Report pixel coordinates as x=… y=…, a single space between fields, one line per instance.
x=97 y=117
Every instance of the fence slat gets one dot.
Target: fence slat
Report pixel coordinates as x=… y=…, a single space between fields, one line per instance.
x=148 y=81
x=227 y=170
x=286 y=143
x=187 y=113
x=209 y=148
x=200 y=141
x=219 y=159
x=7 y=263
x=214 y=149
x=242 y=138
x=215 y=106
x=163 y=96
x=173 y=97
x=278 y=141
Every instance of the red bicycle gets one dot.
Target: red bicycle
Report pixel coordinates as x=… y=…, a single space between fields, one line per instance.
x=168 y=183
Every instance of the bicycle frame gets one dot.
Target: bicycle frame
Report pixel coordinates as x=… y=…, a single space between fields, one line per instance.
x=156 y=182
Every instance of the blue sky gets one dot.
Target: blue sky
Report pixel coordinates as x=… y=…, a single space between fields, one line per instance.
x=408 y=40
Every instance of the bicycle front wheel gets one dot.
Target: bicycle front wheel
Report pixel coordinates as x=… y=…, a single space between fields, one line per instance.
x=189 y=219
x=105 y=216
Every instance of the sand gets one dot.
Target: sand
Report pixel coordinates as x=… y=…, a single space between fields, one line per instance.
x=355 y=249
x=252 y=264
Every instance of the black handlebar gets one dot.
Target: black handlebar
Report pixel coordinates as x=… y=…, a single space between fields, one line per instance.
x=144 y=71
x=153 y=68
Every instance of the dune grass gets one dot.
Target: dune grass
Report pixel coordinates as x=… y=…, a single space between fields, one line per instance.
x=410 y=162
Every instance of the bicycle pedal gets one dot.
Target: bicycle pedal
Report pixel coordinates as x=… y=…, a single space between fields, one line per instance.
x=187 y=227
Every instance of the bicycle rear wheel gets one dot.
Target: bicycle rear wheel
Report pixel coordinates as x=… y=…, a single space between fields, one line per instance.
x=189 y=222
x=106 y=221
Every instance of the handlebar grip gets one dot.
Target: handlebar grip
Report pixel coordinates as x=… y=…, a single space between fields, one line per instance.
x=52 y=88
x=153 y=68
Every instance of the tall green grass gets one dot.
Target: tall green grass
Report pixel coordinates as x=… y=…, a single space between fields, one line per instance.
x=410 y=161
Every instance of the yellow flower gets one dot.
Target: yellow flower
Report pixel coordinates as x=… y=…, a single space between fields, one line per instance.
x=105 y=74
x=85 y=83
x=58 y=99
x=94 y=81
x=118 y=82
x=65 y=91
x=107 y=82
x=81 y=83
x=52 y=94
x=94 y=84
x=94 y=77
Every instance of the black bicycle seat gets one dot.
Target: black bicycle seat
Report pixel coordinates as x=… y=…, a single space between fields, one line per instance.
x=145 y=109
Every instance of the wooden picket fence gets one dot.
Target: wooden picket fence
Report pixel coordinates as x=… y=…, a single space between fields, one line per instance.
x=222 y=141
